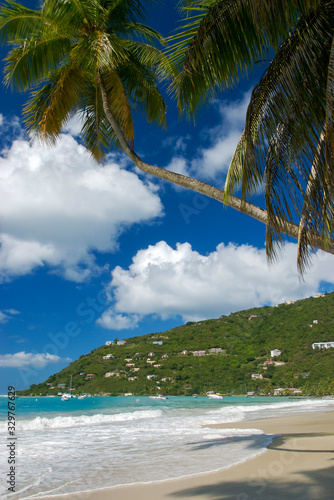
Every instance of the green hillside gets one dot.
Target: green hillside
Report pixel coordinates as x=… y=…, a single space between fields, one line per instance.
x=244 y=344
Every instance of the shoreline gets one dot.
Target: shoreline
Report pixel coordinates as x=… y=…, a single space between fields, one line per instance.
x=298 y=463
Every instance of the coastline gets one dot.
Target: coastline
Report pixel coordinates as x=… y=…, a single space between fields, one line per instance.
x=298 y=463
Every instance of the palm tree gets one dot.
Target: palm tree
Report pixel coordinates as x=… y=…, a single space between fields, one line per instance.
x=72 y=53
x=96 y=58
x=288 y=143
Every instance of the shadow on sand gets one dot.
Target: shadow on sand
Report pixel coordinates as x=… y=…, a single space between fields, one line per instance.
x=272 y=481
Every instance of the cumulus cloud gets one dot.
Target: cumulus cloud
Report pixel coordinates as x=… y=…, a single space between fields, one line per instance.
x=115 y=321
x=58 y=207
x=10 y=129
x=7 y=314
x=214 y=159
x=24 y=359
x=165 y=281
x=74 y=125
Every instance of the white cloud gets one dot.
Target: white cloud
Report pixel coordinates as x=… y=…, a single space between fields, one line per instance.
x=179 y=165
x=3 y=317
x=214 y=159
x=58 y=206
x=12 y=311
x=74 y=125
x=7 y=314
x=23 y=359
x=10 y=129
x=168 y=282
x=114 y=321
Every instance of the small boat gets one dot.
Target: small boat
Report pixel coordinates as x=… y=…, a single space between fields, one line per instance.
x=82 y=396
x=68 y=395
x=159 y=396
x=215 y=396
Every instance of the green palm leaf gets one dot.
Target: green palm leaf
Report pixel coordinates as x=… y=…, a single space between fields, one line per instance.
x=58 y=52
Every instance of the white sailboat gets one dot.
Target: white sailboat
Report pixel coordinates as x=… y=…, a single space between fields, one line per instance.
x=159 y=396
x=215 y=396
x=66 y=396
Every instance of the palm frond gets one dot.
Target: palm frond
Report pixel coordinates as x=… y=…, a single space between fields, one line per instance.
x=223 y=40
x=51 y=105
x=96 y=132
x=99 y=50
x=284 y=121
x=118 y=100
x=144 y=96
x=31 y=61
x=17 y=22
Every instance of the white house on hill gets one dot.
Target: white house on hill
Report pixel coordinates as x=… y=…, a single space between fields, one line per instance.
x=322 y=345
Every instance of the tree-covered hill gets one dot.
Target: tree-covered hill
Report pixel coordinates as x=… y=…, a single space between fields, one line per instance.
x=242 y=362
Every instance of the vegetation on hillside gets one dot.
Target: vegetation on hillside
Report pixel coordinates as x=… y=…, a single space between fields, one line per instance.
x=245 y=345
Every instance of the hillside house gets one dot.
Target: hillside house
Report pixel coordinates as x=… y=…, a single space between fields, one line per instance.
x=128 y=360
x=108 y=356
x=132 y=379
x=90 y=376
x=269 y=362
x=149 y=377
x=130 y=364
x=275 y=352
x=322 y=345
x=150 y=362
x=257 y=376
x=216 y=350
x=121 y=342
x=184 y=352
x=199 y=353
x=61 y=386
x=158 y=342
x=109 y=342
x=293 y=390
x=164 y=356
x=253 y=316
x=150 y=354
x=136 y=369
x=157 y=366
x=111 y=374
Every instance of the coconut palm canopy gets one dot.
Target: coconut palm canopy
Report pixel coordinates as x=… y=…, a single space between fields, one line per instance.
x=59 y=50
x=287 y=145
x=96 y=58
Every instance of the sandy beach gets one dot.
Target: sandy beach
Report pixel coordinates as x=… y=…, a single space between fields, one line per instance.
x=298 y=465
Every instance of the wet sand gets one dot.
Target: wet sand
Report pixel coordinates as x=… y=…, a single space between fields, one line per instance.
x=298 y=465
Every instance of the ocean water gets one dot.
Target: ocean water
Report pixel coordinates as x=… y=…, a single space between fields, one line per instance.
x=99 y=442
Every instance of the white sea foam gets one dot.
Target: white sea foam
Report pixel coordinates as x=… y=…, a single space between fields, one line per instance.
x=62 y=422
x=124 y=443
x=230 y=414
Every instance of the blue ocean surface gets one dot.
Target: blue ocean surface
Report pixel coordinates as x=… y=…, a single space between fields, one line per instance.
x=98 y=442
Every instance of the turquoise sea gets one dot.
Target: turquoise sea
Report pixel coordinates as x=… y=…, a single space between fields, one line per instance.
x=98 y=442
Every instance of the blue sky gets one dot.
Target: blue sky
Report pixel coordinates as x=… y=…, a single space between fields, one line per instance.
x=91 y=253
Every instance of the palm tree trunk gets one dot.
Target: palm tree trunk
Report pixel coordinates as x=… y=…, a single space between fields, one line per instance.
x=245 y=207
